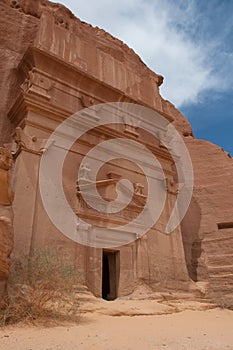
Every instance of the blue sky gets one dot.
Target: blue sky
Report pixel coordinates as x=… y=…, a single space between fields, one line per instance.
x=189 y=42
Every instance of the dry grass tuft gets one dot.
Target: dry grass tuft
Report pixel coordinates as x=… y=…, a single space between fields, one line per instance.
x=42 y=289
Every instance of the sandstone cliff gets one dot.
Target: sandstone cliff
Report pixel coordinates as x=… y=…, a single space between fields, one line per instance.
x=19 y=28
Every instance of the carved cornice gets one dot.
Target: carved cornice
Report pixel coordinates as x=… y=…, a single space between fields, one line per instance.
x=42 y=72
x=29 y=103
x=41 y=83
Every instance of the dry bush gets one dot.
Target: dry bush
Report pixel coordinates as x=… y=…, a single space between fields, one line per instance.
x=42 y=288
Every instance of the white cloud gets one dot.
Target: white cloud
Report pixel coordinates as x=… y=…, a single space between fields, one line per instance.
x=163 y=33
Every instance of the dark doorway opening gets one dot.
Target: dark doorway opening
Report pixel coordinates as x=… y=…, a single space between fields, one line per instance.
x=110 y=274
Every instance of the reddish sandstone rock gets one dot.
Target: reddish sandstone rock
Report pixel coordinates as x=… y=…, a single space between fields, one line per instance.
x=6 y=225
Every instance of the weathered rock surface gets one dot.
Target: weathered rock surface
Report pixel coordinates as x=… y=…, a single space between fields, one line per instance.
x=6 y=224
x=208 y=237
x=99 y=54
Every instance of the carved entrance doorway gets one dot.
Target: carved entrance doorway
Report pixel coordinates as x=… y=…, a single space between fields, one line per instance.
x=110 y=274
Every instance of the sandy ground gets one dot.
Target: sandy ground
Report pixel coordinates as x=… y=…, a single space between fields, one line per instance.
x=131 y=325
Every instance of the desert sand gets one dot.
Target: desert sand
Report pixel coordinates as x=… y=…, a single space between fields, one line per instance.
x=130 y=325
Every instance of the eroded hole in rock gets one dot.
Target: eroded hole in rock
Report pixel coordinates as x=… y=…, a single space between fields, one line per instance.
x=15 y=4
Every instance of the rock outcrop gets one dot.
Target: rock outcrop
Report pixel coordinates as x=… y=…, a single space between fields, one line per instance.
x=208 y=237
